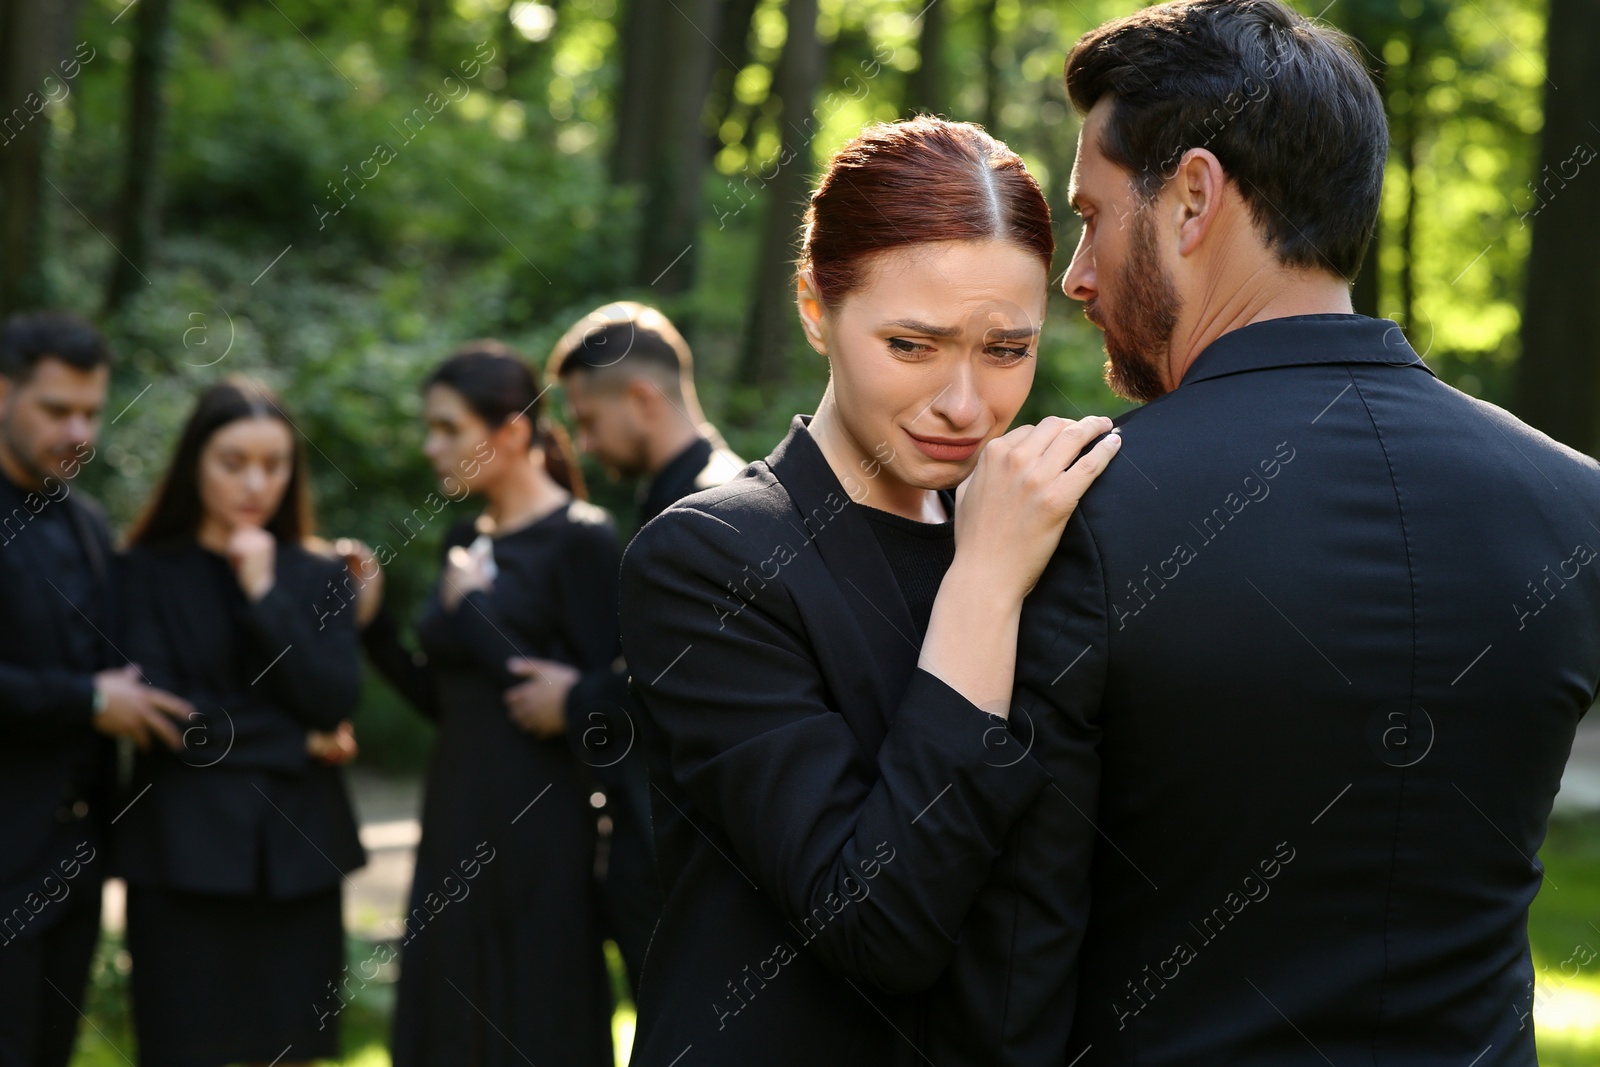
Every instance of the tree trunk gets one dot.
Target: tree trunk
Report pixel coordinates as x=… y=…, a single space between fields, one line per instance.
x=1558 y=377
x=732 y=56
x=991 y=67
x=677 y=160
x=421 y=46
x=925 y=85
x=643 y=65
x=772 y=329
x=34 y=40
x=140 y=207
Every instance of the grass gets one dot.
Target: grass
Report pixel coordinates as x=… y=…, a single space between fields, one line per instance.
x=1563 y=929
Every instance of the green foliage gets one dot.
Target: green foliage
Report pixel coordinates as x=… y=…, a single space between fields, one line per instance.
x=338 y=216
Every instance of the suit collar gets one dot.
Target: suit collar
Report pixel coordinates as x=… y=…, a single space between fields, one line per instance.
x=1299 y=340
x=850 y=551
x=675 y=480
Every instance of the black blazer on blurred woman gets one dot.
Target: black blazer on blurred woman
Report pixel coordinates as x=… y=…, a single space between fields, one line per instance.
x=242 y=809
x=824 y=810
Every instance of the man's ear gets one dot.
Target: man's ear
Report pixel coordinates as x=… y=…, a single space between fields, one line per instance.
x=809 y=302
x=642 y=394
x=1199 y=186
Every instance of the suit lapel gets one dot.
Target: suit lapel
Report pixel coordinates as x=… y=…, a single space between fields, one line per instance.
x=876 y=620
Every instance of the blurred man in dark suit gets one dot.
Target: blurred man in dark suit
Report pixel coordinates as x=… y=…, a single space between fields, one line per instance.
x=629 y=380
x=61 y=696
x=1321 y=635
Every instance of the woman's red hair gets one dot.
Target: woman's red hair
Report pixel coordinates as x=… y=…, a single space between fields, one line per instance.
x=925 y=179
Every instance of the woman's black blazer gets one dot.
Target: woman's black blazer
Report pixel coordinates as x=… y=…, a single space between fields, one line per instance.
x=825 y=811
x=242 y=809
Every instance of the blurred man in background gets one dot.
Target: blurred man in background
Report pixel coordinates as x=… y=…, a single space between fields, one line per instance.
x=60 y=695
x=629 y=380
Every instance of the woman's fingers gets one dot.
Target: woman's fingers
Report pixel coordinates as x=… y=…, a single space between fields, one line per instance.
x=1076 y=479
x=1024 y=444
x=1071 y=441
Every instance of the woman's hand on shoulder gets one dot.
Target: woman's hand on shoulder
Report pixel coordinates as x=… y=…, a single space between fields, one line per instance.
x=1011 y=509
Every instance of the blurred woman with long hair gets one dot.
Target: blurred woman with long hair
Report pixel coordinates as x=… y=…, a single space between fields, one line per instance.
x=501 y=958
x=235 y=846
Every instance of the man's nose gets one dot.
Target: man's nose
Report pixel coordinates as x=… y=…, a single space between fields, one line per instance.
x=1079 y=280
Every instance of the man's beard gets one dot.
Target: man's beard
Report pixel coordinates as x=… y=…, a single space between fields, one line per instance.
x=1139 y=329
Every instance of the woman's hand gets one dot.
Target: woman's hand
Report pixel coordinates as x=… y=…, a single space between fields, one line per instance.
x=1011 y=509
x=336 y=748
x=539 y=705
x=367 y=575
x=252 y=553
x=1009 y=516
x=466 y=570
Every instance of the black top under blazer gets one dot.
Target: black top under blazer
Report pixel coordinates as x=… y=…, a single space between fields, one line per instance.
x=824 y=810
x=1335 y=623
x=242 y=809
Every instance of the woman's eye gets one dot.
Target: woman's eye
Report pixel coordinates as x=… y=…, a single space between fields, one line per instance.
x=1007 y=353
x=901 y=346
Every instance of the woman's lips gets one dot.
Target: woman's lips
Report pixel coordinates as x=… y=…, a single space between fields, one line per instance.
x=946 y=448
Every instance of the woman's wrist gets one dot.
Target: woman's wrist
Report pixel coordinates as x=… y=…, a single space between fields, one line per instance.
x=982 y=585
x=971 y=643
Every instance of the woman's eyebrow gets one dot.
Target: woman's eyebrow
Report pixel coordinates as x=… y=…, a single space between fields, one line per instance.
x=1011 y=333
x=1006 y=333
x=922 y=327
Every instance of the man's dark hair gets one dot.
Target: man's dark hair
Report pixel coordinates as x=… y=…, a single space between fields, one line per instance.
x=27 y=338
x=1286 y=105
x=618 y=343
x=618 y=339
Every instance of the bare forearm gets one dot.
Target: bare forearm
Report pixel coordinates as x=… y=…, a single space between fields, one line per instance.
x=971 y=644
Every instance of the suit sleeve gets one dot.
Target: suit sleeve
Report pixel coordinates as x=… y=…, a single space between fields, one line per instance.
x=756 y=743
x=45 y=703
x=1015 y=976
x=318 y=678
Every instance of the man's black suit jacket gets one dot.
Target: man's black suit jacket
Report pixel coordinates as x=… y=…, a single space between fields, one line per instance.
x=54 y=768
x=1329 y=625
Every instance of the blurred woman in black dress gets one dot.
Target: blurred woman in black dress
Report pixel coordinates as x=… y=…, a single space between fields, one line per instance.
x=235 y=846
x=502 y=959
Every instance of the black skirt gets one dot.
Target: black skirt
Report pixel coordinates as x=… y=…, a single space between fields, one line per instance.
x=226 y=979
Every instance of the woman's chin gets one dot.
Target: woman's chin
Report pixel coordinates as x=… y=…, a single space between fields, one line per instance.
x=937 y=475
